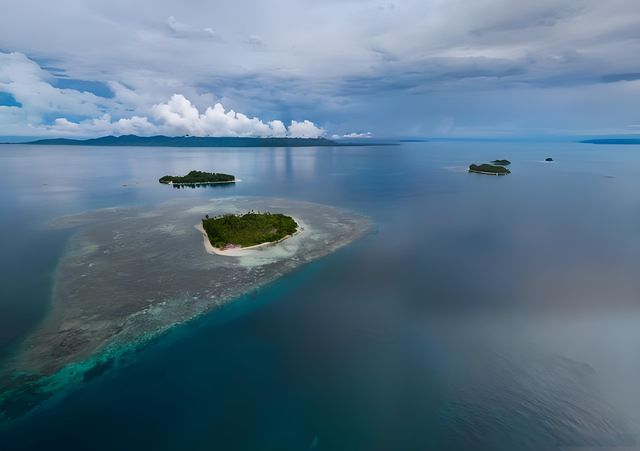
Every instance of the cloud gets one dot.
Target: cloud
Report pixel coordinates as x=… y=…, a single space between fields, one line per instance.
x=395 y=68
x=254 y=40
x=101 y=126
x=613 y=78
x=304 y=129
x=354 y=135
x=182 y=30
x=30 y=104
x=31 y=87
x=178 y=117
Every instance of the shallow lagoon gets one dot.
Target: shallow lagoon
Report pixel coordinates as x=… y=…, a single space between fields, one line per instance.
x=129 y=274
x=484 y=312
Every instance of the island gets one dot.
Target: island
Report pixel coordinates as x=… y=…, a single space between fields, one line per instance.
x=489 y=169
x=501 y=162
x=548 y=159
x=197 y=178
x=251 y=229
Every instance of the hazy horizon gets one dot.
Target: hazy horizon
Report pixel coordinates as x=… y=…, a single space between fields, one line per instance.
x=301 y=69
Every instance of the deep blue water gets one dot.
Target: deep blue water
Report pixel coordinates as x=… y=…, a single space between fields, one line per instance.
x=482 y=313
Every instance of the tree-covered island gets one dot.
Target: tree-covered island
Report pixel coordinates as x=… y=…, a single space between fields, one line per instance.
x=249 y=229
x=501 y=162
x=489 y=169
x=197 y=177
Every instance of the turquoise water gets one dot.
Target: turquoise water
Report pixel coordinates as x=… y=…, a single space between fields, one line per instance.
x=483 y=313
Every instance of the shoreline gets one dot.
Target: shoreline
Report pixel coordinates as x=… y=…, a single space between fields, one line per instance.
x=487 y=173
x=200 y=183
x=244 y=251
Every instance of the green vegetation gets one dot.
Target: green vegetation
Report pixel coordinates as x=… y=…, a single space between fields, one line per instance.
x=489 y=169
x=501 y=162
x=548 y=159
x=194 y=177
x=248 y=229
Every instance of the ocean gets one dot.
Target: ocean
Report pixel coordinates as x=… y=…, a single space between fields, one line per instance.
x=479 y=312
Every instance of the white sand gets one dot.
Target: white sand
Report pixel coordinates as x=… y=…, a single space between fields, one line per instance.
x=201 y=183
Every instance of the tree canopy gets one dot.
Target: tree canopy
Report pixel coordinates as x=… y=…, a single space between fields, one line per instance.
x=486 y=168
x=248 y=229
x=198 y=177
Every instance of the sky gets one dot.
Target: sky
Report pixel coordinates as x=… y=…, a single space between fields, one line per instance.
x=308 y=68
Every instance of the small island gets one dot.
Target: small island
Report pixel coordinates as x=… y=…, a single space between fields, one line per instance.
x=501 y=162
x=251 y=229
x=197 y=178
x=489 y=169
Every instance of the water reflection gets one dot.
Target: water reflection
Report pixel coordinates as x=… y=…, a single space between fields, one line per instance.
x=492 y=313
x=203 y=185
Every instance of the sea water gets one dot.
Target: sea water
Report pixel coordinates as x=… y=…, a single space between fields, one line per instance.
x=482 y=312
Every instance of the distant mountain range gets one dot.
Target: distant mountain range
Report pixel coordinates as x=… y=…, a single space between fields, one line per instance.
x=612 y=141
x=194 y=141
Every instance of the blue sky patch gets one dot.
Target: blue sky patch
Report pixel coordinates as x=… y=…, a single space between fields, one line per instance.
x=95 y=87
x=7 y=99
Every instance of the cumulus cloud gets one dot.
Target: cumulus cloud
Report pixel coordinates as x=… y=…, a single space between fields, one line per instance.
x=178 y=116
x=304 y=129
x=103 y=125
x=41 y=108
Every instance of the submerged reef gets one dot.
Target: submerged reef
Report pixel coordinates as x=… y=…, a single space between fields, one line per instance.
x=131 y=273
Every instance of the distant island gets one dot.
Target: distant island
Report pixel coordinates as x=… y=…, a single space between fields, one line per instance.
x=197 y=178
x=193 y=141
x=501 y=162
x=489 y=169
x=250 y=229
x=612 y=141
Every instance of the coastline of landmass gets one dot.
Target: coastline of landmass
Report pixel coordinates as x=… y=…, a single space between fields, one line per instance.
x=615 y=141
x=196 y=141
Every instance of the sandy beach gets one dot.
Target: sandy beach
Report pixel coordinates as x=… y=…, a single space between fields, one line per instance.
x=244 y=251
x=200 y=183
